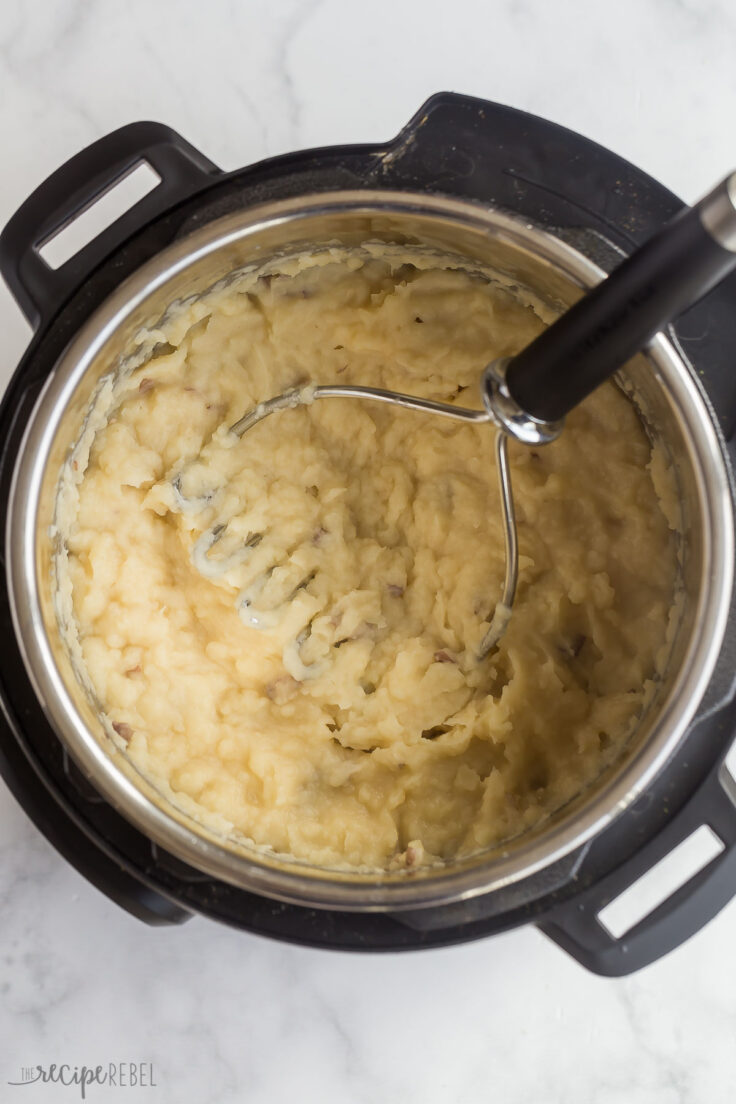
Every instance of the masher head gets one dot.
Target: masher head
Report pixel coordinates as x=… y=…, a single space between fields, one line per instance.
x=263 y=602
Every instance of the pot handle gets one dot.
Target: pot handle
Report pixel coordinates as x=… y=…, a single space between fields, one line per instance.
x=575 y=925
x=41 y=290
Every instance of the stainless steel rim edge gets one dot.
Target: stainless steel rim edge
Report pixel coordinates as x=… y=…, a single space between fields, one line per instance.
x=307 y=887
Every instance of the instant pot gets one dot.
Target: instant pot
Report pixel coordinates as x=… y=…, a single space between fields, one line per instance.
x=547 y=208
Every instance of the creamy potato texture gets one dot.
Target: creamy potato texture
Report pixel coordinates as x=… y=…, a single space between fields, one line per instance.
x=283 y=628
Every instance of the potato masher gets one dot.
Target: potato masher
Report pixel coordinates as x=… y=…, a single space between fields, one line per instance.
x=527 y=397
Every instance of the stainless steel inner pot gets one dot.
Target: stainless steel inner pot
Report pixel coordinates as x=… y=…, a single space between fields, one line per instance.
x=673 y=406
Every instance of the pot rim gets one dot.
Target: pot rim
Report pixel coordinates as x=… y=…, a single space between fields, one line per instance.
x=300 y=883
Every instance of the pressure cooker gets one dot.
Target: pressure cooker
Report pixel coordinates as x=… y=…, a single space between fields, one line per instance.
x=553 y=212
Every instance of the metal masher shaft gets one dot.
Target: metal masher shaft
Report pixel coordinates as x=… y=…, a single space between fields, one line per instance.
x=305 y=396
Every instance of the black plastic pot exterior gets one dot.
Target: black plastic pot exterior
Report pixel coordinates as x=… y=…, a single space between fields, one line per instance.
x=454 y=146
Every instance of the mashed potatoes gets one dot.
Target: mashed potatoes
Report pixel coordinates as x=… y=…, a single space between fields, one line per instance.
x=283 y=629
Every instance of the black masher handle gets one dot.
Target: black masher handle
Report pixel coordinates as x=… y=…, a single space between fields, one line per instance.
x=615 y=320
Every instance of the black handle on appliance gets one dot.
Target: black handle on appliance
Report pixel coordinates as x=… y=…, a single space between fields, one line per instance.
x=41 y=290
x=575 y=926
x=669 y=273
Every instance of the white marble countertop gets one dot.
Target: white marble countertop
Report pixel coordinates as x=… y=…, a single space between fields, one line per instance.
x=225 y=1017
